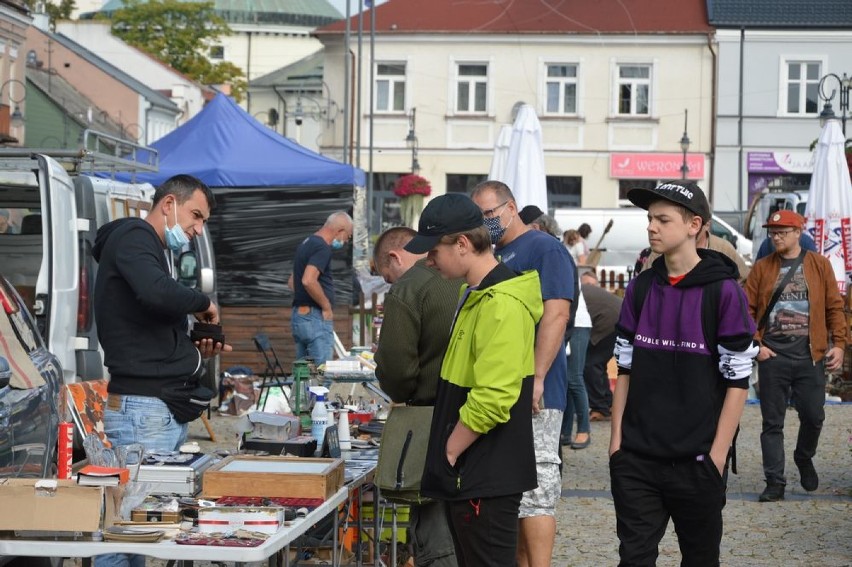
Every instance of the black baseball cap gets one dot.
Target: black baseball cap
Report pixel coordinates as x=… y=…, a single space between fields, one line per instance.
x=687 y=194
x=530 y=213
x=447 y=214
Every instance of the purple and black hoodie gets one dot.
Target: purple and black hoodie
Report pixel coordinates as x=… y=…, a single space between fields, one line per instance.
x=677 y=386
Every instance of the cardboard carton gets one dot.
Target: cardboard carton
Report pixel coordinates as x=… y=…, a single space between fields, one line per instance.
x=50 y=505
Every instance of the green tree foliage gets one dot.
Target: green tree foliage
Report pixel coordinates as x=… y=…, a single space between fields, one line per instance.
x=179 y=34
x=57 y=11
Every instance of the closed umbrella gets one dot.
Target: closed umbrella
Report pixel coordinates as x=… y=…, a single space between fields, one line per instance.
x=524 y=171
x=501 y=154
x=829 y=208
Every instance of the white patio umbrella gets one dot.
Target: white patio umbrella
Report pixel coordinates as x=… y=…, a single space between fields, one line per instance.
x=501 y=154
x=524 y=166
x=829 y=208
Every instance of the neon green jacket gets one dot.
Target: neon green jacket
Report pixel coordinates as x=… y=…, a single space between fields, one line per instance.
x=487 y=382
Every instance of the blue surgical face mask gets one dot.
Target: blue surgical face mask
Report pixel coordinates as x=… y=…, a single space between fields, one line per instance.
x=336 y=244
x=175 y=236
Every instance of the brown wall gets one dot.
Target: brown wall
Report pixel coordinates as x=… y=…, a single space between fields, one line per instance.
x=118 y=100
x=241 y=324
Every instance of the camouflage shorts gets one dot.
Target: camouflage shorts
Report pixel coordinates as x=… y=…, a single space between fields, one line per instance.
x=547 y=425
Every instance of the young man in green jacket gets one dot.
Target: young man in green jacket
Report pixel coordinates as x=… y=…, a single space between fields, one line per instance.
x=480 y=457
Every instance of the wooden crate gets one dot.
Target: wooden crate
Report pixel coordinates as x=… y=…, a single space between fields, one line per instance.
x=250 y=475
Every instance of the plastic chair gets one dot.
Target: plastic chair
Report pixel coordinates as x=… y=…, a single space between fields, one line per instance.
x=273 y=375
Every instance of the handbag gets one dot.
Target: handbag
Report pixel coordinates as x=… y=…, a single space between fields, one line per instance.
x=780 y=289
x=188 y=401
x=402 y=454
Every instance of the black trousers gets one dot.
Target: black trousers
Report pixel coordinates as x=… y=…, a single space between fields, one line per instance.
x=776 y=376
x=595 y=374
x=485 y=530
x=649 y=491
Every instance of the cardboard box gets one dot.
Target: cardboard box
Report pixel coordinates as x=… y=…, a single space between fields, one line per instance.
x=266 y=520
x=50 y=505
x=247 y=475
x=271 y=426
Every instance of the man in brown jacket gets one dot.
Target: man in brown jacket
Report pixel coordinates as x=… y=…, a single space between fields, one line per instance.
x=803 y=334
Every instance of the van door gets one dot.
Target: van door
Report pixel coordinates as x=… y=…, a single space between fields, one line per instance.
x=57 y=285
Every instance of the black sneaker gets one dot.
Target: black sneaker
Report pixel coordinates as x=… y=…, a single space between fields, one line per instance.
x=808 y=474
x=772 y=493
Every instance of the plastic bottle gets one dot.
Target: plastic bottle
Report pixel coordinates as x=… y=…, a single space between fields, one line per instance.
x=343 y=430
x=319 y=415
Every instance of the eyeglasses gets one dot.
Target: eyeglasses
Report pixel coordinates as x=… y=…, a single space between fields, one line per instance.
x=489 y=213
x=780 y=233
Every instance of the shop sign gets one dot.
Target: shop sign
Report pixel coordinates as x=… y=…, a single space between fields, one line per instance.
x=780 y=162
x=654 y=166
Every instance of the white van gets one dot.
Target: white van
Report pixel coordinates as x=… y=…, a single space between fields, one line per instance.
x=628 y=236
x=47 y=255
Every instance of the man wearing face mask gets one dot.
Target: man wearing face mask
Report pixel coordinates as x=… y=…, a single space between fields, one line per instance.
x=313 y=288
x=522 y=248
x=141 y=312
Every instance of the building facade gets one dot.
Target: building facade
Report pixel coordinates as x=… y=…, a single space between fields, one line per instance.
x=612 y=86
x=775 y=61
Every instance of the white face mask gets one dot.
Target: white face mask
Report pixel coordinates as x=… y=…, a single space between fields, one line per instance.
x=175 y=236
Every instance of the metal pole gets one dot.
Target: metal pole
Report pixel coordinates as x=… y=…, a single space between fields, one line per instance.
x=684 y=145
x=346 y=109
x=358 y=89
x=372 y=102
x=414 y=140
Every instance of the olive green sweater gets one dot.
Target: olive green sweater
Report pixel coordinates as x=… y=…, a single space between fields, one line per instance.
x=418 y=314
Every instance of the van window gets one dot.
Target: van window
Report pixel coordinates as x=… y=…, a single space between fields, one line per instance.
x=12 y=219
x=718 y=229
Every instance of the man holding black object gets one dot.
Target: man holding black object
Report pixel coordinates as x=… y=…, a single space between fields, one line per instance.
x=141 y=312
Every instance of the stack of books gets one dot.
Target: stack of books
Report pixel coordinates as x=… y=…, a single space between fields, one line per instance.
x=93 y=475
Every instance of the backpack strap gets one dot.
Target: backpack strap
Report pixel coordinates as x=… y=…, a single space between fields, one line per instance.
x=641 y=286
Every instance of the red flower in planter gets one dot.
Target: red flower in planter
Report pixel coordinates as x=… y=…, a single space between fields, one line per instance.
x=411 y=184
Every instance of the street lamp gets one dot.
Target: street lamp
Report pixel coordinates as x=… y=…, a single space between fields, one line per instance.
x=843 y=83
x=411 y=140
x=684 y=146
x=17 y=117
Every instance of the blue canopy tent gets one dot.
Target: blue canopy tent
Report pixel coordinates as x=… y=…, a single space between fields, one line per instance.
x=270 y=192
x=225 y=146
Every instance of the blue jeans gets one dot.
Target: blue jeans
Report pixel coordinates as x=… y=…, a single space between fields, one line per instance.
x=578 y=400
x=145 y=420
x=313 y=335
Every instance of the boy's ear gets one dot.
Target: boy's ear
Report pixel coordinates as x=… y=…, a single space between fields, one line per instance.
x=696 y=225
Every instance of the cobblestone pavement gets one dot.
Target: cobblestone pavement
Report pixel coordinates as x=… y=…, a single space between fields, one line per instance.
x=805 y=530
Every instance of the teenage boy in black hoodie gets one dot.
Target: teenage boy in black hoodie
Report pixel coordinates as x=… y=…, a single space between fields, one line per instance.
x=684 y=354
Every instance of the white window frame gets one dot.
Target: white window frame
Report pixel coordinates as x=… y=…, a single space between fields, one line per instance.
x=393 y=84
x=562 y=81
x=784 y=82
x=473 y=80
x=618 y=81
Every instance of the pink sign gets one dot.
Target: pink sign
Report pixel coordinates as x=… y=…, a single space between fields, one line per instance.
x=654 y=166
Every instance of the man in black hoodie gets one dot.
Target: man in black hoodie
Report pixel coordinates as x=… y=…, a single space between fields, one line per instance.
x=141 y=312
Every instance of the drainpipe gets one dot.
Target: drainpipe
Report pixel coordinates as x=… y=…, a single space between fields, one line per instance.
x=714 y=103
x=740 y=122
